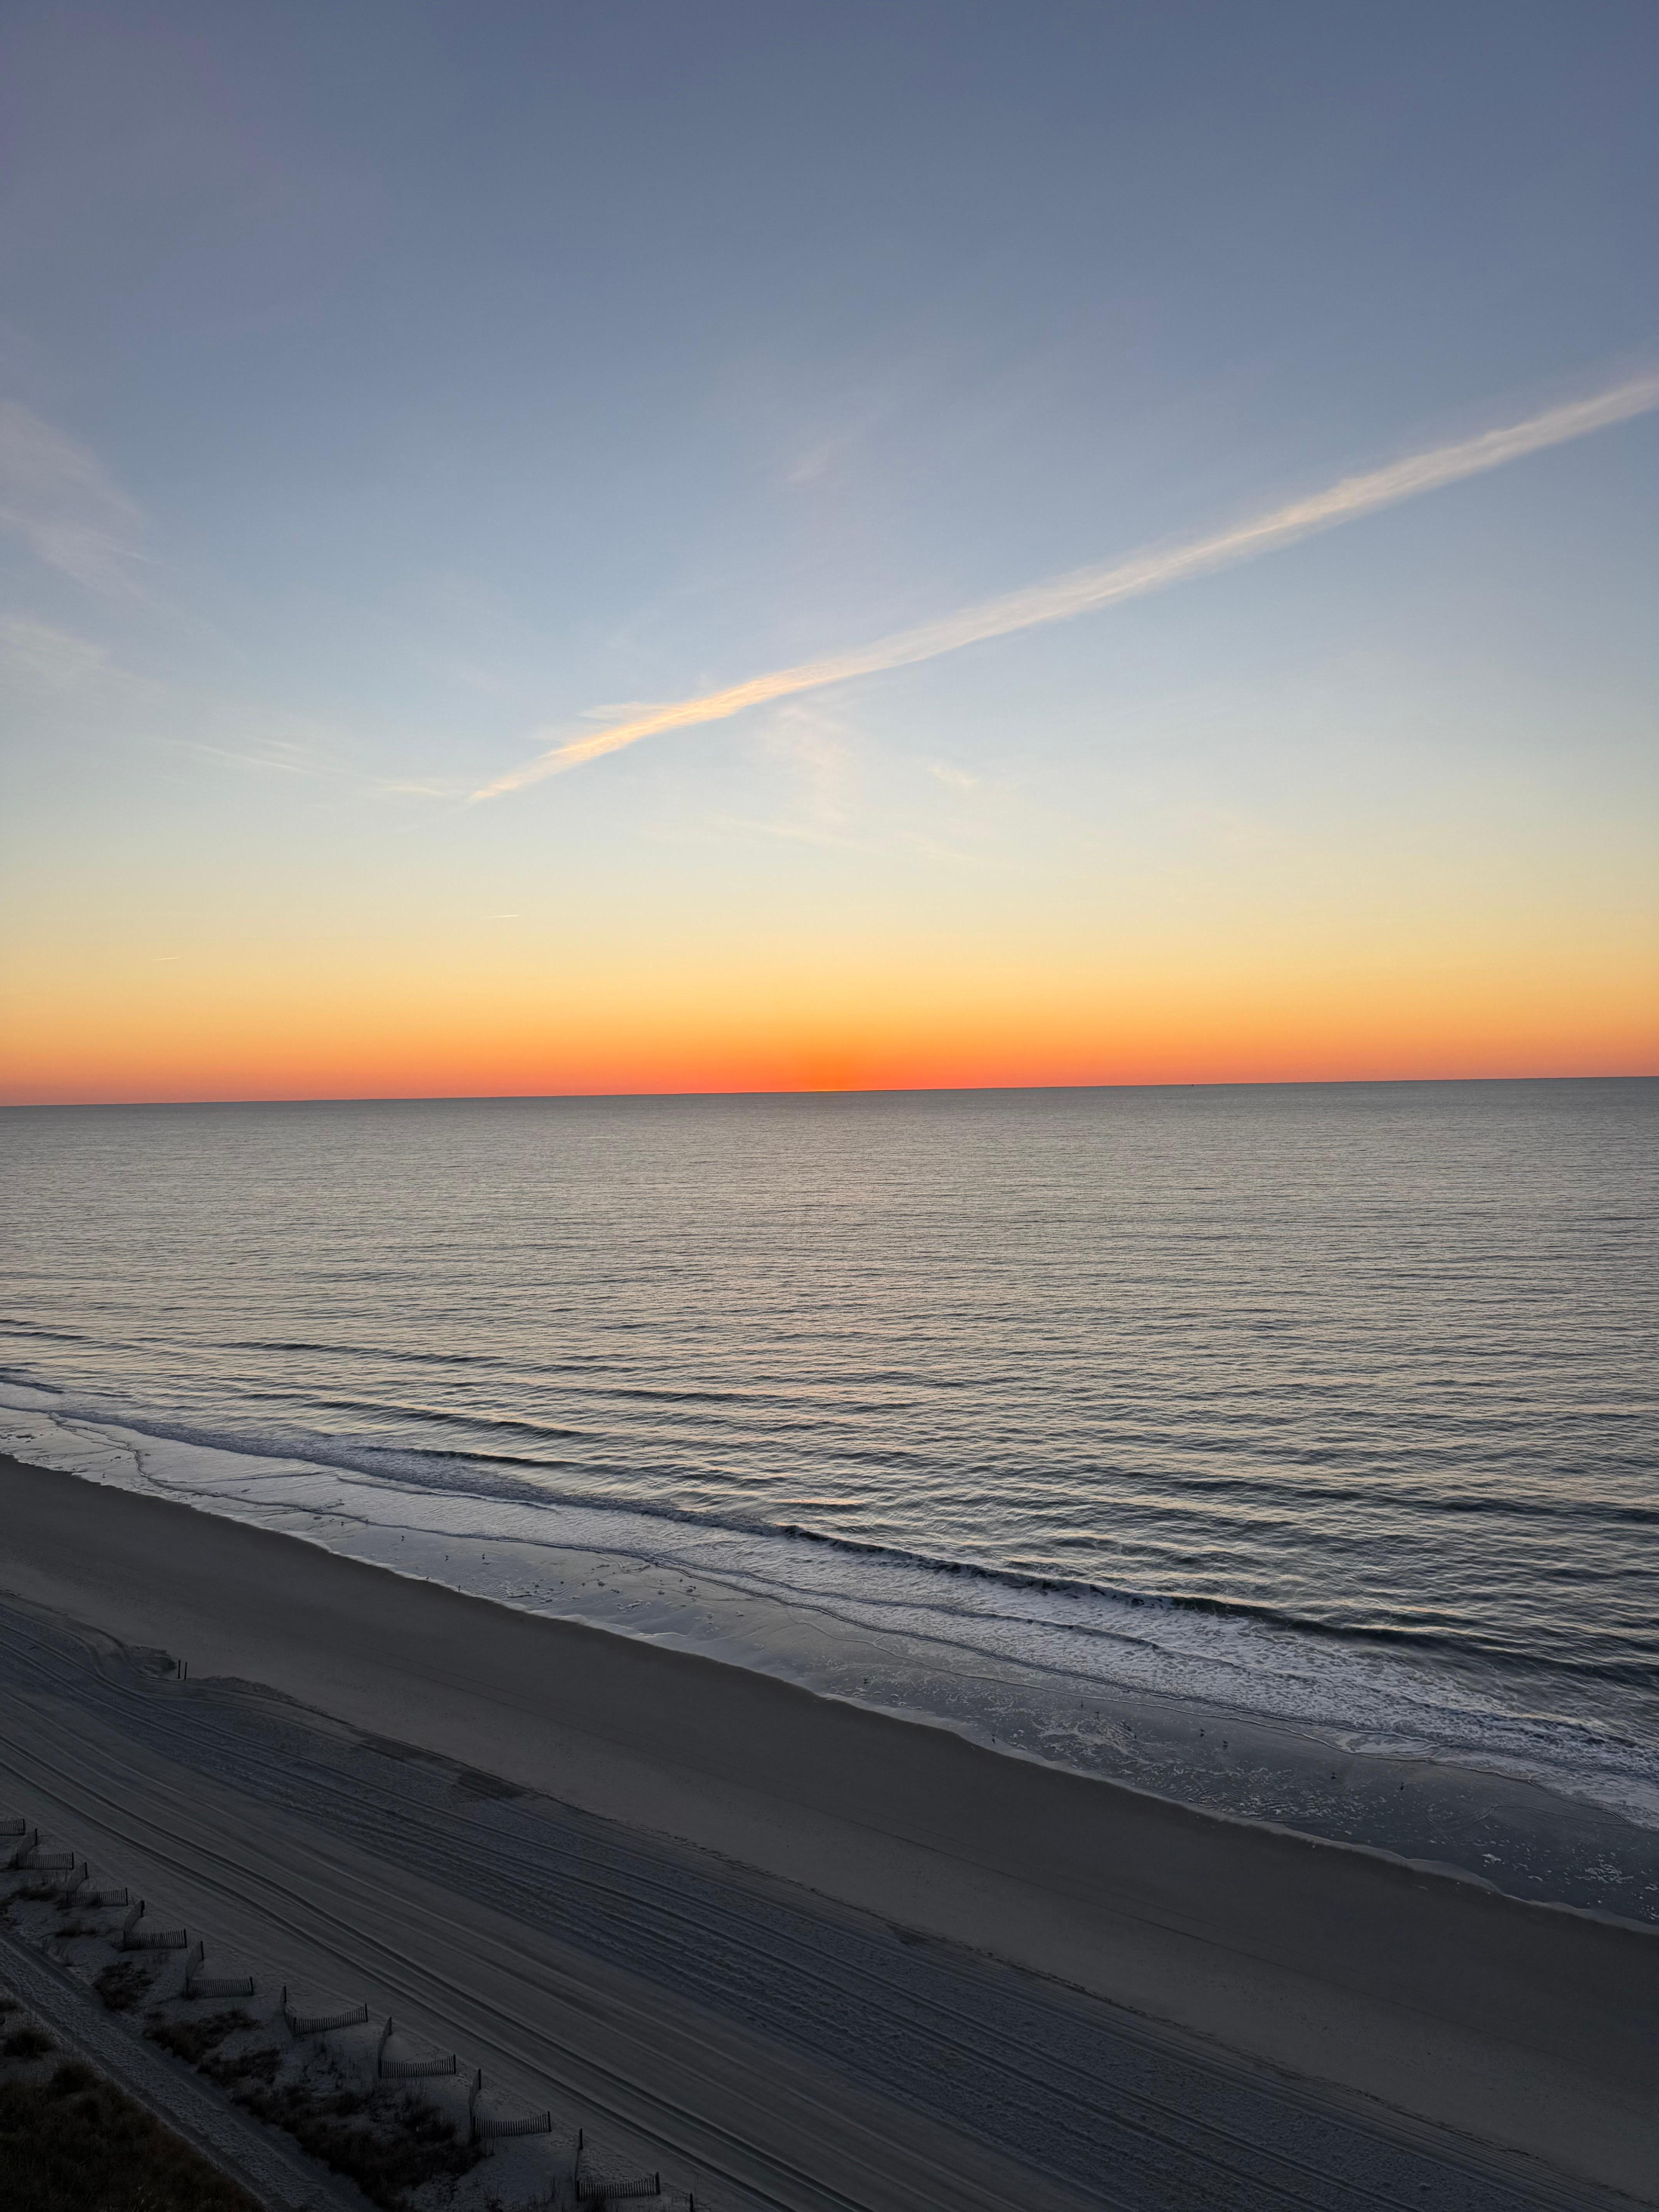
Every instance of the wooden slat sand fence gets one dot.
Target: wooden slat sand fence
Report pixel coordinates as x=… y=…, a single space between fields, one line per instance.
x=40 y=1862
x=485 y=2126
x=410 y=2069
x=593 y=2187
x=198 y=1984
x=321 y=2023
x=134 y=1938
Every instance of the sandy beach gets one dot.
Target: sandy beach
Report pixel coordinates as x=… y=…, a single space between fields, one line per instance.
x=1401 y=1999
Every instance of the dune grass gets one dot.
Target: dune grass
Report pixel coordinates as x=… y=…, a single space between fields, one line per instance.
x=76 y=2142
x=385 y=2139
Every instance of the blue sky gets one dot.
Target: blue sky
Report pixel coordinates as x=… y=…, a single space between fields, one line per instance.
x=395 y=389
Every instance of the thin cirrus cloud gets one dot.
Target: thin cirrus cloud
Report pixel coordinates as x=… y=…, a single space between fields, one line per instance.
x=1084 y=589
x=57 y=498
x=72 y=682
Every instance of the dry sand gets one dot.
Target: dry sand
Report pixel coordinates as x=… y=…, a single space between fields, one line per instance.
x=1528 y=2028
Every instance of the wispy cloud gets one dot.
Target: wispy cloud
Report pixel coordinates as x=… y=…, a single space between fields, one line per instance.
x=813 y=742
x=953 y=778
x=791 y=833
x=63 y=683
x=34 y=653
x=56 y=497
x=1084 y=589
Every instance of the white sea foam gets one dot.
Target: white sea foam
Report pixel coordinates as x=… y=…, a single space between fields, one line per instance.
x=1031 y=1662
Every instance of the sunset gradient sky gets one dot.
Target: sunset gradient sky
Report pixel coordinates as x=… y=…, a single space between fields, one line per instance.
x=665 y=548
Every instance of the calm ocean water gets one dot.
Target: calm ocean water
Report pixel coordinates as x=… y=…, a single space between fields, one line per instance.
x=1288 y=1448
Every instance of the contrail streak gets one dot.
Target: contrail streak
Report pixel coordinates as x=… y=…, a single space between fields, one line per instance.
x=1062 y=597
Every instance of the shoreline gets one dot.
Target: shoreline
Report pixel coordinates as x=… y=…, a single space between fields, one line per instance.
x=1527 y=2025
x=1542 y=1818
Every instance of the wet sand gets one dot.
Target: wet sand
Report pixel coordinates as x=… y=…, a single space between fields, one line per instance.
x=1527 y=2028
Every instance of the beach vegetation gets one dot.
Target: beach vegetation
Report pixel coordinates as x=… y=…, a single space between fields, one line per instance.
x=76 y=2142
x=192 y=2040
x=385 y=2139
x=389 y=2146
x=262 y=2065
x=124 y=1985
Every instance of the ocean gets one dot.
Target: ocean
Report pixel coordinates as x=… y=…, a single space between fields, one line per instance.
x=1286 y=1449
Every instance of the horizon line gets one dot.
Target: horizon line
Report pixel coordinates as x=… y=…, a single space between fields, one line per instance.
x=799 y=1090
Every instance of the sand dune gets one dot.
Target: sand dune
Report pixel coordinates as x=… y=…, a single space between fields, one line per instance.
x=752 y=2019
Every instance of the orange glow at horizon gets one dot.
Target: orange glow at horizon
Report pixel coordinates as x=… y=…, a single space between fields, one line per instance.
x=383 y=1038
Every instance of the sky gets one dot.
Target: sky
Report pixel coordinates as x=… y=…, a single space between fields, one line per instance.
x=555 y=549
